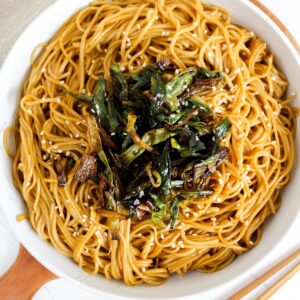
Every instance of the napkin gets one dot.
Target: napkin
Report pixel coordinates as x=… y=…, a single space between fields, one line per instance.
x=15 y=15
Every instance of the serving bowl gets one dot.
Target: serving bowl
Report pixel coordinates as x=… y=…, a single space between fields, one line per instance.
x=193 y=284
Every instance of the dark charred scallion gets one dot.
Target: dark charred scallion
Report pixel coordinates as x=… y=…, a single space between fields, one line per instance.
x=152 y=144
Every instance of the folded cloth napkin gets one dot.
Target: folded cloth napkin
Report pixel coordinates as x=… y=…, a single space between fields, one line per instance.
x=15 y=15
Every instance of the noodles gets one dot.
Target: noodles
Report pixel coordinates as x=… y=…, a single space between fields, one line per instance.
x=211 y=231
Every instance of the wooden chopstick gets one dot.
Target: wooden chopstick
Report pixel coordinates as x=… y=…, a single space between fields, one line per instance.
x=279 y=283
x=252 y=285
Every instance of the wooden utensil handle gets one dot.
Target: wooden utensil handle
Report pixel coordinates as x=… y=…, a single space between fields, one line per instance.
x=24 y=278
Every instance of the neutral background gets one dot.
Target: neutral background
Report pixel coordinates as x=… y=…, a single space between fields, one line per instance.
x=14 y=16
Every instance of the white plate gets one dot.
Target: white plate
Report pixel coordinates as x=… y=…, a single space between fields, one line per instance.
x=193 y=283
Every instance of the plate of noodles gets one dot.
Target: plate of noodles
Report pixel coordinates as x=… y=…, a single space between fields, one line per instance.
x=150 y=143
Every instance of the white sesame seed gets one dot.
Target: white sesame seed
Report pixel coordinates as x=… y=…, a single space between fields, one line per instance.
x=43 y=70
x=251 y=243
x=43 y=100
x=59 y=151
x=196 y=23
x=214 y=89
x=131 y=68
x=68 y=153
x=77 y=135
x=122 y=68
x=214 y=219
x=227 y=71
x=173 y=245
x=43 y=142
x=29 y=110
x=62 y=81
x=180 y=244
x=156 y=17
x=231 y=45
x=162 y=236
x=68 y=200
x=44 y=157
x=138 y=26
x=67 y=122
x=194 y=35
x=58 y=100
x=143 y=269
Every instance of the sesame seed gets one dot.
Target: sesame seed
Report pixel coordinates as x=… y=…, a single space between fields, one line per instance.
x=44 y=157
x=29 y=110
x=131 y=67
x=61 y=214
x=231 y=45
x=122 y=68
x=138 y=26
x=43 y=142
x=210 y=54
x=156 y=17
x=214 y=88
x=59 y=151
x=194 y=35
x=251 y=243
x=62 y=81
x=162 y=236
x=43 y=100
x=77 y=135
x=68 y=153
x=214 y=219
x=143 y=269
x=196 y=23
x=58 y=100
x=173 y=245
x=67 y=122
x=227 y=71
x=68 y=200
x=43 y=70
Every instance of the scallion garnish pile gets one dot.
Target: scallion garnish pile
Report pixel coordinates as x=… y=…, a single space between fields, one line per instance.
x=152 y=144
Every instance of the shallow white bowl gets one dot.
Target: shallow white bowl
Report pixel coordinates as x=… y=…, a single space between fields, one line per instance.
x=194 y=283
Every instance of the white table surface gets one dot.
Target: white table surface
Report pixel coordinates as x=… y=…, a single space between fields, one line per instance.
x=288 y=12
